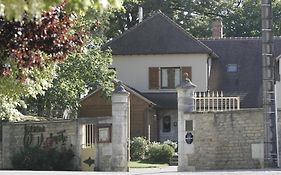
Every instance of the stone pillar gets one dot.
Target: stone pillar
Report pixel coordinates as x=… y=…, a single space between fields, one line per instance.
x=185 y=105
x=120 y=116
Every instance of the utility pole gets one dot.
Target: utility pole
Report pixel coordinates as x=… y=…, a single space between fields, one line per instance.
x=271 y=151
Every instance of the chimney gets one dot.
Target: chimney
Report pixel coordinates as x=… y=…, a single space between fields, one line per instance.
x=140 y=14
x=217 y=28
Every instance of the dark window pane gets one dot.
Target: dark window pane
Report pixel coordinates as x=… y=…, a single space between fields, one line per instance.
x=170 y=77
x=166 y=124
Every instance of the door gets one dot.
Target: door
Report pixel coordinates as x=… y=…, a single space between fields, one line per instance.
x=88 y=147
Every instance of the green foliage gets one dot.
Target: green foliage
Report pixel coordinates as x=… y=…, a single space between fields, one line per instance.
x=29 y=52
x=160 y=153
x=171 y=143
x=80 y=73
x=146 y=164
x=240 y=18
x=13 y=9
x=138 y=148
x=36 y=158
x=12 y=90
x=8 y=111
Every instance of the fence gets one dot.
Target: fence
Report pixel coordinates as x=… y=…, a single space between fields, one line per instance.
x=214 y=101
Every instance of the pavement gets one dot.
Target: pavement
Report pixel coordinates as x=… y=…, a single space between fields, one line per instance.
x=171 y=170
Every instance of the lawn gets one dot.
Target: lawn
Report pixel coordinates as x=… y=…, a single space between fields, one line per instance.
x=145 y=164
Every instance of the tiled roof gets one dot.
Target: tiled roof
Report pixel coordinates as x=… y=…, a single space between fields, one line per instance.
x=166 y=100
x=246 y=53
x=157 y=34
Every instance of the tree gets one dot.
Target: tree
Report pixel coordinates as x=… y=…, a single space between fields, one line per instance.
x=31 y=48
x=241 y=18
x=14 y=9
x=81 y=72
x=193 y=15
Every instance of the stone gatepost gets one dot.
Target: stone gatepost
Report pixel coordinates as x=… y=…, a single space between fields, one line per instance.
x=120 y=117
x=185 y=124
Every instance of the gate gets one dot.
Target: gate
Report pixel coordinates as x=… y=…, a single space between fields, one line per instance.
x=88 y=147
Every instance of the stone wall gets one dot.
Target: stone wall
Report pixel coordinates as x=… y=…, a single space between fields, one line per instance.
x=44 y=134
x=224 y=140
x=108 y=134
x=102 y=151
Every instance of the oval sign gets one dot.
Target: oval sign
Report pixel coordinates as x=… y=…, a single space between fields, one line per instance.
x=189 y=138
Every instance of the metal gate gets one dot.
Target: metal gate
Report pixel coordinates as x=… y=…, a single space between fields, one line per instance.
x=88 y=147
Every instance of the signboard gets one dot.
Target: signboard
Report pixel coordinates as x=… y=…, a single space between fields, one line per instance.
x=189 y=138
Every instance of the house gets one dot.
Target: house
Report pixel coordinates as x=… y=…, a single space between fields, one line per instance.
x=151 y=58
x=142 y=112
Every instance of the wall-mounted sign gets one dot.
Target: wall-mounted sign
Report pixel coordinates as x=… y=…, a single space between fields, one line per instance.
x=189 y=138
x=37 y=135
x=104 y=134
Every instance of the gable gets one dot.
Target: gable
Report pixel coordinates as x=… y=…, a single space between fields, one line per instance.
x=95 y=105
x=157 y=35
x=98 y=105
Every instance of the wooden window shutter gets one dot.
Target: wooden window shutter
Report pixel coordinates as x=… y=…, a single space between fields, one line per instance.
x=153 y=78
x=186 y=70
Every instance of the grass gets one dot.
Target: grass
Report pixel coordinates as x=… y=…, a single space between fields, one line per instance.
x=146 y=164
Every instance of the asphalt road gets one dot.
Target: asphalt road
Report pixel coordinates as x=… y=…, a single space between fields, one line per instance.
x=150 y=171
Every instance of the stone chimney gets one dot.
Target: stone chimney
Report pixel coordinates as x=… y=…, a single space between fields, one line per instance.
x=217 y=28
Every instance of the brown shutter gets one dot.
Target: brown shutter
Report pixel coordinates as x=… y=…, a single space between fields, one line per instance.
x=186 y=70
x=153 y=78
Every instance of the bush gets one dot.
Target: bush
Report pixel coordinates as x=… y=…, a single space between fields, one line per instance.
x=160 y=153
x=138 y=148
x=36 y=158
x=172 y=144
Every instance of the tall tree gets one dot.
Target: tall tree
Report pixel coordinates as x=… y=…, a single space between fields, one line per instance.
x=31 y=48
x=80 y=73
x=240 y=17
x=33 y=8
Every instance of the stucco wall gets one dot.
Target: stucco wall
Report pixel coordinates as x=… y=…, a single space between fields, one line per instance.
x=278 y=94
x=133 y=69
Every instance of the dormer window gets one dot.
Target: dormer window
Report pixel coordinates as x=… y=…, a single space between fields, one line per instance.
x=232 y=68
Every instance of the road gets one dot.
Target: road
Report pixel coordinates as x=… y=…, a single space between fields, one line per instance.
x=150 y=171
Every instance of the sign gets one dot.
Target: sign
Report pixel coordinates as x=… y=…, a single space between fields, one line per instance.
x=189 y=138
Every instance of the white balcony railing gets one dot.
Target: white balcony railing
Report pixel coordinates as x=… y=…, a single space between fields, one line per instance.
x=214 y=101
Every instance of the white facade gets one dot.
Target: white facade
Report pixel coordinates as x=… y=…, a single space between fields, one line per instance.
x=278 y=94
x=133 y=70
x=278 y=89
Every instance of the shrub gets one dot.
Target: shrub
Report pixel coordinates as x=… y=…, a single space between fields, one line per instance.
x=36 y=158
x=171 y=143
x=160 y=153
x=138 y=148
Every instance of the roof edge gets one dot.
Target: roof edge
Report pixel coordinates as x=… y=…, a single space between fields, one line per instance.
x=127 y=88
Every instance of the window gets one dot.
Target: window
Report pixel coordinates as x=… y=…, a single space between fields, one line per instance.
x=232 y=68
x=167 y=77
x=188 y=125
x=170 y=77
x=166 y=124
